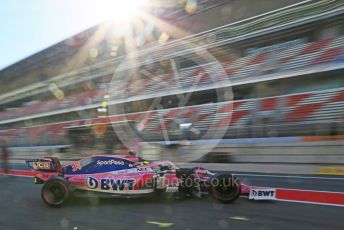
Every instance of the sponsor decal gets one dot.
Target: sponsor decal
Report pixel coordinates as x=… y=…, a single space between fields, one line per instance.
x=76 y=166
x=160 y=182
x=143 y=169
x=91 y=182
x=110 y=162
x=110 y=184
x=172 y=189
x=41 y=165
x=262 y=194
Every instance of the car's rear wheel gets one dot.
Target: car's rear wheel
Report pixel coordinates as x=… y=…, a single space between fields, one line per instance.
x=55 y=191
x=225 y=188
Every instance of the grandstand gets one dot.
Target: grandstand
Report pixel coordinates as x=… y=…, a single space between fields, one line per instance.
x=284 y=65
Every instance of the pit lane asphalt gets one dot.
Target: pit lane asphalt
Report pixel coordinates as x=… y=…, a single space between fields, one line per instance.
x=21 y=207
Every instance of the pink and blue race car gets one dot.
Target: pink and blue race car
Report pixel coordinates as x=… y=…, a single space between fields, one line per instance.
x=129 y=176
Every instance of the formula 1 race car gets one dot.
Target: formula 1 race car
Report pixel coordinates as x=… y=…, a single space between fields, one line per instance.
x=128 y=176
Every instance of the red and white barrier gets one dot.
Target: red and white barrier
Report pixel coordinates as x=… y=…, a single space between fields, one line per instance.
x=310 y=196
x=23 y=173
x=297 y=195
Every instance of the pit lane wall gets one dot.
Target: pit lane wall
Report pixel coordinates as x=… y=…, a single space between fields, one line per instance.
x=320 y=155
x=307 y=150
x=290 y=155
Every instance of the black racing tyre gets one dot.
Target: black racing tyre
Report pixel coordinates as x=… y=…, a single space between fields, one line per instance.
x=225 y=187
x=55 y=191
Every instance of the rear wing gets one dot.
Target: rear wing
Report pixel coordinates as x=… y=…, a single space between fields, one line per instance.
x=46 y=164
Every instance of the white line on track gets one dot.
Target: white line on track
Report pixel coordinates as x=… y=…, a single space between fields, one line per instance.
x=295 y=201
x=307 y=202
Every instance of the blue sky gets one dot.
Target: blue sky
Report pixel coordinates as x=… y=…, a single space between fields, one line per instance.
x=28 y=26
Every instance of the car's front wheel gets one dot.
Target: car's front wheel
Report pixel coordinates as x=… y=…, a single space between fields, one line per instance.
x=225 y=187
x=55 y=191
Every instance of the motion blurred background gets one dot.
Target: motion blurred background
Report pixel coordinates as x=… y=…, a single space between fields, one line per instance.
x=283 y=62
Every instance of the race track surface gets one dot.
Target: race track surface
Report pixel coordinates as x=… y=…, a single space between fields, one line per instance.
x=22 y=208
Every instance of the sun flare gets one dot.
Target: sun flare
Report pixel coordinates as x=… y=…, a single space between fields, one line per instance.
x=118 y=10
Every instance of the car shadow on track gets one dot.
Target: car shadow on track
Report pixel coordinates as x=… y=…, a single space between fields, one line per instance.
x=93 y=201
x=108 y=201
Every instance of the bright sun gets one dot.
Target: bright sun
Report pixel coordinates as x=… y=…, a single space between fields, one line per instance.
x=118 y=9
